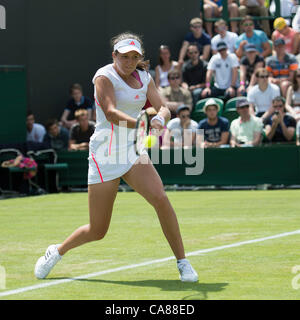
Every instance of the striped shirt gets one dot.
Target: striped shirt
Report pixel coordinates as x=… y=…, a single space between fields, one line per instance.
x=281 y=69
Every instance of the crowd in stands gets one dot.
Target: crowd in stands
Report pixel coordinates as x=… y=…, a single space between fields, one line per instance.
x=253 y=62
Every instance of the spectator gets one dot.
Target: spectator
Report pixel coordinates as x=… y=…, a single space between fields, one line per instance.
x=165 y=65
x=194 y=73
x=290 y=36
x=196 y=36
x=281 y=67
x=249 y=63
x=175 y=95
x=77 y=101
x=293 y=97
x=216 y=129
x=228 y=37
x=57 y=137
x=225 y=66
x=181 y=131
x=246 y=130
x=262 y=94
x=256 y=8
x=256 y=37
x=35 y=131
x=81 y=132
x=287 y=8
x=279 y=127
x=214 y=8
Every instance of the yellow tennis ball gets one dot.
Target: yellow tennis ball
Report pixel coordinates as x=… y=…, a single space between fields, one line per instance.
x=150 y=141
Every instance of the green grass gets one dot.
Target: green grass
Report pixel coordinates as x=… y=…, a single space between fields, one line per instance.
x=207 y=219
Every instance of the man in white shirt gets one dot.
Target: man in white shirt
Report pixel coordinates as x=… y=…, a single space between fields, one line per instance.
x=224 y=66
x=223 y=35
x=181 y=131
x=35 y=131
x=262 y=94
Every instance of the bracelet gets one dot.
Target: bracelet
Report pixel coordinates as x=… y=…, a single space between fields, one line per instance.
x=159 y=118
x=207 y=85
x=242 y=83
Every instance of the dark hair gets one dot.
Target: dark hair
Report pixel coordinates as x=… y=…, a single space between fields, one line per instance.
x=50 y=123
x=260 y=70
x=29 y=113
x=75 y=86
x=163 y=47
x=173 y=72
x=279 y=99
x=142 y=65
x=295 y=82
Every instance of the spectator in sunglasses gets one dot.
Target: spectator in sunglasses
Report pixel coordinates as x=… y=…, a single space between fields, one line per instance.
x=181 y=131
x=280 y=127
x=194 y=73
x=196 y=36
x=246 y=130
x=256 y=37
x=262 y=94
x=175 y=95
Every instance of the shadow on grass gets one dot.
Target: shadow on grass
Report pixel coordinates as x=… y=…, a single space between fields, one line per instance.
x=199 y=291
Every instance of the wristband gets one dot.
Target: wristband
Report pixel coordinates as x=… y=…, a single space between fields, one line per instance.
x=242 y=83
x=159 y=118
x=207 y=85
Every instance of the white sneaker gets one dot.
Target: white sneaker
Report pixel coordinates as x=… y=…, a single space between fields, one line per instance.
x=47 y=262
x=187 y=273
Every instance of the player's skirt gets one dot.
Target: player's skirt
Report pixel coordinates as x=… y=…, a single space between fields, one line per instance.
x=108 y=161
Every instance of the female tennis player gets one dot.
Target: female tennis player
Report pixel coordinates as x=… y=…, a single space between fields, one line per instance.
x=121 y=90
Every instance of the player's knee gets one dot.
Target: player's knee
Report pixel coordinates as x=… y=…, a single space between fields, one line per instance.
x=159 y=199
x=96 y=235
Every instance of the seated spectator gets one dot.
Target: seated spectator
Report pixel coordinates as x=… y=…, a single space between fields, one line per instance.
x=175 y=95
x=225 y=66
x=165 y=65
x=246 y=130
x=35 y=131
x=196 y=36
x=249 y=64
x=293 y=97
x=194 y=73
x=281 y=67
x=81 y=132
x=181 y=131
x=262 y=94
x=256 y=37
x=228 y=37
x=57 y=137
x=256 y=8
x=287 y=8
x=77 y=101
x=216 y=129
x=280 y=127
x=214 y=8
x=290 y=36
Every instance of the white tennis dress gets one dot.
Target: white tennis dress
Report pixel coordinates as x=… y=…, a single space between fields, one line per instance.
x=111 y=149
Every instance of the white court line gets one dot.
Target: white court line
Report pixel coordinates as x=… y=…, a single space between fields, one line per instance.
x=132 y=266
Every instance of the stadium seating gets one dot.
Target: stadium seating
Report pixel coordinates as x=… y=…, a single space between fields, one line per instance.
x=230 y=108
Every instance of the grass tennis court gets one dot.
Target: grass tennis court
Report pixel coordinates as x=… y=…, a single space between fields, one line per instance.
x=208 y=219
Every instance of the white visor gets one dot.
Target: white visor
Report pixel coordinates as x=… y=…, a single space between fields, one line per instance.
x=128 y=45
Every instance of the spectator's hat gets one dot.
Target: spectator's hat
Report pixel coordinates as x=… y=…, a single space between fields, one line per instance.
x=182 y=107
x=221 y=45
x=250 y=47
x=242 y=103
x=279 y=23
x=279 y=41
x=211 y=102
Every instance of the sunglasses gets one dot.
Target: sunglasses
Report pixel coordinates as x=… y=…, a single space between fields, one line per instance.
x=192 y=52
x=264 y=77
x=248 y=24
x=243 y=107
x=183 y=116
x=196 y=27
x=174 y=78
x=278 y=106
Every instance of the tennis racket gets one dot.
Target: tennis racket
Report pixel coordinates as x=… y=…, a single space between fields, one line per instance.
x=141 y=131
